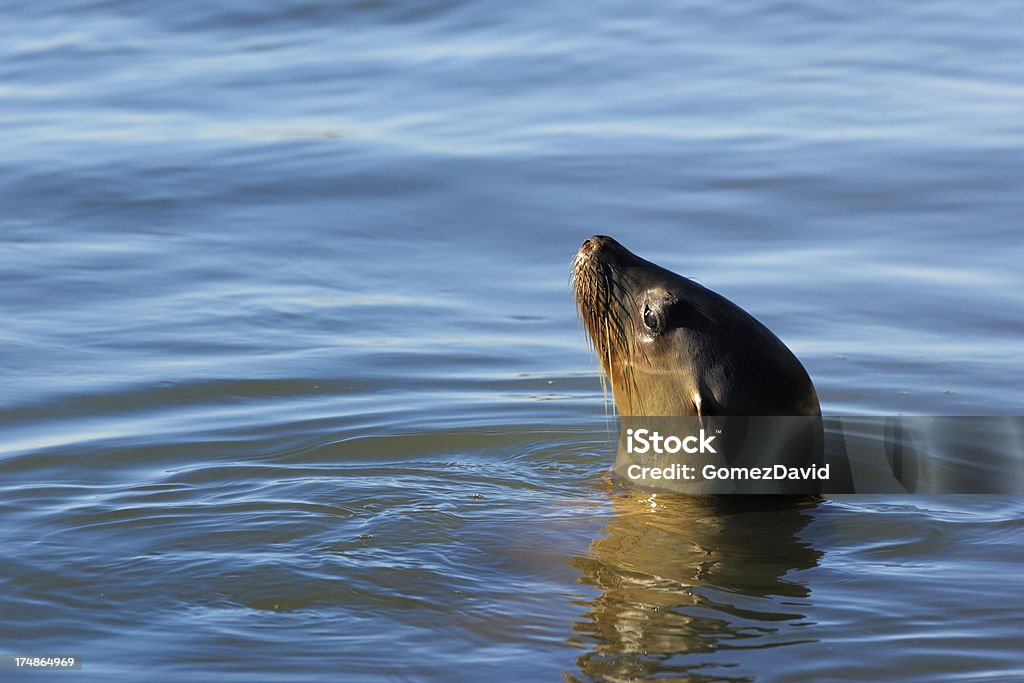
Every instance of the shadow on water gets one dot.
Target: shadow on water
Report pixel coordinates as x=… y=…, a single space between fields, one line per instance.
x=684 y=581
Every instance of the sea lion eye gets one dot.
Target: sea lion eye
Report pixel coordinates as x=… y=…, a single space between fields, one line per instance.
x=652 y=320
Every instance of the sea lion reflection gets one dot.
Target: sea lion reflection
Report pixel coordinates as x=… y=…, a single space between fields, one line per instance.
x=684 y=579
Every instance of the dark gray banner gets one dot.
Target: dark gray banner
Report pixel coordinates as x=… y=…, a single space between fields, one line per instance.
x=803 y=455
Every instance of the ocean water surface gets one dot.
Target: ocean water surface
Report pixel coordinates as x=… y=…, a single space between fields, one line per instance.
x=294 y=387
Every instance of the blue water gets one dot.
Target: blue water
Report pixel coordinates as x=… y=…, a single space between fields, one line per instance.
x=293 y=382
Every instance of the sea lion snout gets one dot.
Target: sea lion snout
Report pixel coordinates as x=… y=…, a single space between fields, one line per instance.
x=603 y=252
x=596 y=242
x=604 y=249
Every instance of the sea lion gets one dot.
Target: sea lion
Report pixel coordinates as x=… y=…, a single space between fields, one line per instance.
x=685 y=361
x=669 y=346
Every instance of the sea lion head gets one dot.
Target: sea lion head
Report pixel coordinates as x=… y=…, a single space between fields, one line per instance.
x=670 y=346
